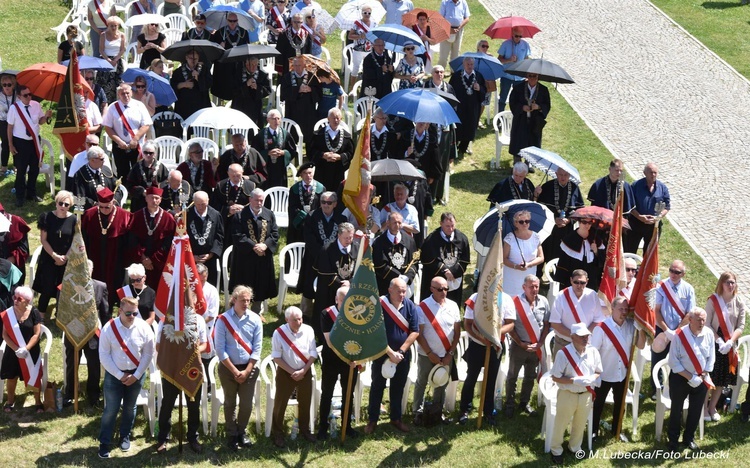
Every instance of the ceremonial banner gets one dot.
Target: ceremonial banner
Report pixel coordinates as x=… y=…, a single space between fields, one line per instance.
x=178 y=358
x=613 y=276
x=359 y=331
x=643 y=299
x=71 y=124
x=487 y=316
x=76 y=308
x=356 y=193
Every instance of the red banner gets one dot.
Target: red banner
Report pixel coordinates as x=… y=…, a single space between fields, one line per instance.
x=71 y=123
x=643 y=299
x=613 y=276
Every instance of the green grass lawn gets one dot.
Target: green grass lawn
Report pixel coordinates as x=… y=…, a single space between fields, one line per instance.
x=66 y=439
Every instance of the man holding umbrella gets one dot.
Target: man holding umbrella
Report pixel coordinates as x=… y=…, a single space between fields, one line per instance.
x=191 y=83
x=530 y=104
x=225 y=74
x=469 y=87
x=511 y=51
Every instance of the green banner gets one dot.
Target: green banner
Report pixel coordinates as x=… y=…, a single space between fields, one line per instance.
x=359 y=331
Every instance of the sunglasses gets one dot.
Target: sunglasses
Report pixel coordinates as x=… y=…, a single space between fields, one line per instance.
x=485 y=46
x=231 y=21
x=629 y=270
x=154 y=24
x=524 y=221
x=326 y=202
x=140 y=86
x=26 y=95
x=19 y=298
x=308 y=17
x=579 y=282
x=517 y=36
x=440 y=289
x=60 y=203
x=730 y=283
x=89 y=78
x=676 y=272
x=131 y=314
x=366 y=13
x=136 y=280
x=584 y=221
x=7 y=85
x=150 y=153
x=408 y=48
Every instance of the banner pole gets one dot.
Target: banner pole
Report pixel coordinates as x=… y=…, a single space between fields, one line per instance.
x=483 y=394
x=75 y=380
x=627 y=385
x=181 y=431
x=345 y=414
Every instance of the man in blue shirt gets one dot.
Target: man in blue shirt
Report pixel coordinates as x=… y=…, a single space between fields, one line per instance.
x=647 y=192
x=395 y=9
x=457 y=14
x=238 y=340
x=604 y=191
x=511 y=51
x=401 y=320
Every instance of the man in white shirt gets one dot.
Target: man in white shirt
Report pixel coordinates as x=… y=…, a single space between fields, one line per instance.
x=572 y=305
x=395 y=9
x=81 y=159
x=576 y=368
x=126 y=122
x=126 y=350
x=439 y=332
x=211 y=296
x=693 y=343
x=294 y=353
x=613 y=339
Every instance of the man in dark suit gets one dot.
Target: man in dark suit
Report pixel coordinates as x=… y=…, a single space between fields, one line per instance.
x=469 y=87
x=294 y=38
x=530 y=104
x=377 y=70
x=90 y=349
x=230 y=196
x=301 y=95
x=205 y=228
x=392 y=254
x=176 y=192
x=335 y=268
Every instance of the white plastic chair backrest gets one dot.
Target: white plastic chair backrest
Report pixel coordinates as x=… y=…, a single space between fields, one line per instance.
x=638 y=259
x=124 y=191
x=179 y=21
x=210 y=148
x=225 y=271
x=263 y=37
x=33 y=263
x=49 y=151
x=294 y=252
x=325 y=54
x=322 y=123
x=663 y=385
x=548 y=345
x=743 y=345
x=132 y=57
x=192 y=10
x=173 y=35
x=395 y=84
x=550 y=268
x=129 y=9
x=279 y=199
x=347 y=57
x=204 y=132
x=170 y=149
x=268 y=366
x=360 y=106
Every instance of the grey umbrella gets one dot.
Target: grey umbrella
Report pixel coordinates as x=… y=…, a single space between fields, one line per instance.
x=389 y=170
x=547 y=71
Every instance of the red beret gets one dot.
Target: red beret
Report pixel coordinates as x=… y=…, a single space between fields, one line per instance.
x=154 y=190
x=104 y=195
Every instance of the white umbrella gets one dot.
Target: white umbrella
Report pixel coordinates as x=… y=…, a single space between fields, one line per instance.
x=352 y=11
x=220 y=118
x=144 y=19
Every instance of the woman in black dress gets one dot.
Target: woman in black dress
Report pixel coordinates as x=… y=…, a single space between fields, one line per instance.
x=63 y=50
x=137 y=288
x=151 y=43
x=30 y=326
x=56 y=231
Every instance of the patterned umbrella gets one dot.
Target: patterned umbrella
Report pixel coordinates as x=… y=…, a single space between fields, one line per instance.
x=440 y=28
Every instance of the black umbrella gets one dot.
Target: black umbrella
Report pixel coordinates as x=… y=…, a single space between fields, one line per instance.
x=244 y=52
x=388 y=170
x=210 y=51
x=547 y=71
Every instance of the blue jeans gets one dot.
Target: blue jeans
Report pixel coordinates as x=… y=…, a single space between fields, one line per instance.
x=116 y=394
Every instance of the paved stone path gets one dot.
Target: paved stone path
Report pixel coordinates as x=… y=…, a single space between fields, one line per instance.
x=651 y=92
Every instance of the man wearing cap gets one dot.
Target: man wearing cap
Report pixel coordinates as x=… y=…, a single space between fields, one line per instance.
x=294 y=352
x=277 y=148
x=230 y=196
x=92 y=177
x=457 y=14
x=255 y=239
x=377 y=70
x=401 y=319
x=105 y=228
x=332 y=151
x=393 y=254
x=14 y=243
x=205 y=228
x=253 y=165
x=691 y=359
x=577 y=366
x=474 y=357
x=197 y=171
x=675 y=297
x=146 y=172
x=527 y=340
x=333 y=369
x=126 y=122
x=151 y=236
x=574 y=304
x=439 y=332
x=445 y=253
x=304 y=199
x=177 y=192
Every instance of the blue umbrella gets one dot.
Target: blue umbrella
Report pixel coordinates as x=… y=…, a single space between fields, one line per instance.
x=419 y=105
x=485 y=228
x=395 y=36
x=490 y=67
x=549 y=162
x=89 y=62
x=216 y=17
x=160 y=87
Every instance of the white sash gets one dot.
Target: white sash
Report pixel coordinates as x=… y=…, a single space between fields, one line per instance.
x=234 y=329
x=312 y=34
x=394 y=313
x=32 y=372
x=533 y=326
x=278 y=16
x=693 y=347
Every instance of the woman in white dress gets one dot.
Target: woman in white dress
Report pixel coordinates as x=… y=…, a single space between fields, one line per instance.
x=522 y=252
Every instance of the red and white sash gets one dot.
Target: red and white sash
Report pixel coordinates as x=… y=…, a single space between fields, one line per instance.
x=577 y=369
x=573 y=306
x=139 y=10
x=278 y=17
x=125 y=291
x=98 y=7
x=234 y=328
x=332 y=312
x=312 y=34
x=126 y=126
x=365 y=29
x=421 y=33
x=34 y=135
x=720 y=308
x=32 y=372
x=435 y=325
x=126 y=349
x=524 y=313
x=689 y=344
x=617 y=340
x=673 y=299
x=394 y=314
x=291 y=345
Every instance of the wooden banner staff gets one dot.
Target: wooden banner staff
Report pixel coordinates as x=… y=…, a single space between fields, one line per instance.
x=347 y=402
x=182 y=431
x=75 y=380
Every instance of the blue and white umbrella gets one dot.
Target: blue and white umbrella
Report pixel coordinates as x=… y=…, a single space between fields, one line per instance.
x=216 y=17
x=157 y=85
x=89 y=62
x=485 y=228
x=395 y=36
x=419 y=105
x=549 y=162
x=490 y=67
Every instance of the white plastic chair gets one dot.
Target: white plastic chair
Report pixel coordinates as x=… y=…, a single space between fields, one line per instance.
x=132 y=57
x=33 y=263
x=549 y=346
x=554 y=287
x=45 y=355
x=323 y=122
x=183 y=10
x=353 y=95
x=217 y=394
x=170 y=150
x=289 y=125
x=360 y=109
x=347 y=63
x=268 y=374
x=173 y=35
x=210 y=148
x=201 y=131
x=549 y=392
x=192 y=10
x=48 y=169
x=280 y=105
x=325 y=54
x=289 y=279
x=179 y=21
x=502 y=123
x=279 y=204
x=743 y=348
x=124 y=192
x=663 y=401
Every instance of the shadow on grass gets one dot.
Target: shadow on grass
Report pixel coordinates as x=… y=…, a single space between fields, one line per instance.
x=720 y=5
x=435 y=446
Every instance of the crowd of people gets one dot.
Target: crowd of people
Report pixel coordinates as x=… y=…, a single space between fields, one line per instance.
x=223 y=205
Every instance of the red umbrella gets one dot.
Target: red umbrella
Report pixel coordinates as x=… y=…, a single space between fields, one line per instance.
x=601 y=216
x=503 y=27
x=45 y=81
x=440 y=28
